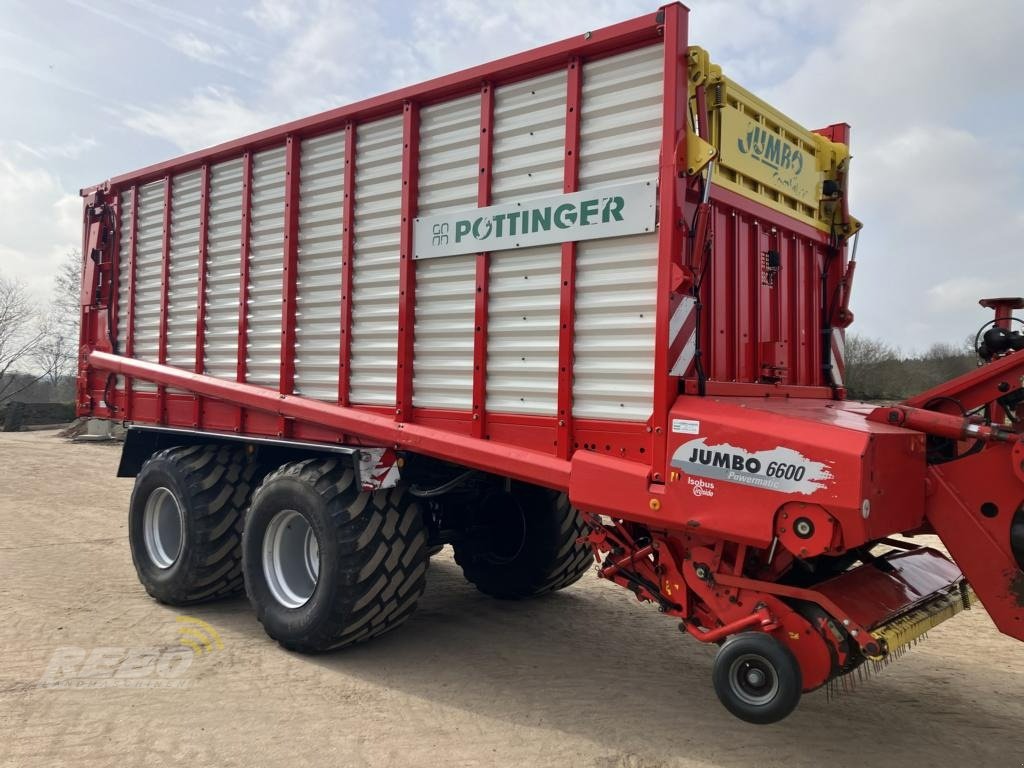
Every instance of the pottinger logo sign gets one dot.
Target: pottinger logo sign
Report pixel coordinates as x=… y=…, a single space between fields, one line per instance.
x=626 y=209
x=780 y=469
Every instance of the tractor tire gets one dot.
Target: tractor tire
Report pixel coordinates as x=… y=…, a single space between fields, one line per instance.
x=328 y=565
x=185 y=522
x=531 y=544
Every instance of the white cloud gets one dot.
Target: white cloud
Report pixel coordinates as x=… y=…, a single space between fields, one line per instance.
x=961 y=291
x=207 y=117
x=196 y=48
x=937 y=170
x=71 y=149
x=273 y=15
x=40 y=221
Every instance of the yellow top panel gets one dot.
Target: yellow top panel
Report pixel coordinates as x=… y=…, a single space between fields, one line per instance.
x=768 y=157
x=758 y=153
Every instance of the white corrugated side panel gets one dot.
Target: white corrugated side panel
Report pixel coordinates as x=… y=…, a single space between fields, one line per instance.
x=318 y=290
x=148 y=277
x=266 y=267
x=124 y=275
x=616 y=278
x=183 y=283
x=524 y=285
x=446 y=288
x=378 y=216
x=223 y=270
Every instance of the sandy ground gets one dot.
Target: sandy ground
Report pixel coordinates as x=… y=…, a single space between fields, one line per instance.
x=584 y=677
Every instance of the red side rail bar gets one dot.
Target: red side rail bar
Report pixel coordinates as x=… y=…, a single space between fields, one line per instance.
x=522 y=464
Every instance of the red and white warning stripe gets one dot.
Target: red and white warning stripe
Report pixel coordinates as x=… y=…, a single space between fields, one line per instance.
x=837 y=347
x=683 y=325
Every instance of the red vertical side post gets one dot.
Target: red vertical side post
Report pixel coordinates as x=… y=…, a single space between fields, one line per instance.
x=114 y=302
x=567 y=300
x=204 y=242
x=672 y=195
x=290 y=277
x=407 y=268
x=243 y=287
x=129 y=348
x=165 y=285
x=348 y=241
x=483 y=198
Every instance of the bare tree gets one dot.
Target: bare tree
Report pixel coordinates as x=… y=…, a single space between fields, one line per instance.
x=870 y=367
x=20 y=334
x=67 y=286
x=55 y=354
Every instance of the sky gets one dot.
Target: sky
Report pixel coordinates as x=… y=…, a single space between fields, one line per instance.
x=934 y=92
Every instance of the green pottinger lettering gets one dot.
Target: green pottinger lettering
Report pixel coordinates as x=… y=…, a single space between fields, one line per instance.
x=565 y=216
x=588 y=208
x=542 y=219
x=612 y=209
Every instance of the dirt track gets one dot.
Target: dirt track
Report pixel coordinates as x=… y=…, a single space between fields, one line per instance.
x=584 y=677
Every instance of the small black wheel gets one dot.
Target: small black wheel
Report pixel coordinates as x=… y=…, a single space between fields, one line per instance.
x=185 y=522
x=326 y=564
x=757 y=678
x=524 y=542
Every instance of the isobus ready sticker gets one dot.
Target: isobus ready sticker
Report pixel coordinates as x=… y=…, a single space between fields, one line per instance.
x=780 y=469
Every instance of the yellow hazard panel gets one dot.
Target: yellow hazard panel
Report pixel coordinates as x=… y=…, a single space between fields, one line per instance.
x=765 y=155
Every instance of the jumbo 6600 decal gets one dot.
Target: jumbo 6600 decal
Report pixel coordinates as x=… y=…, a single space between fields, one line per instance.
x=779 y=469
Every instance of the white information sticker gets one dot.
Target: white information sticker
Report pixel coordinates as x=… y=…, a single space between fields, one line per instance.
x=685 y=427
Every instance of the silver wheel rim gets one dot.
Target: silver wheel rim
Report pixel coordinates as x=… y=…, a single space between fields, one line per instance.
x=291 y=559
x=163 y=526
x=753 y=680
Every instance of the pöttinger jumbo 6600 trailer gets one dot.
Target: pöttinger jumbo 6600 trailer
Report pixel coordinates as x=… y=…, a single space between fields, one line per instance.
x=581 y=307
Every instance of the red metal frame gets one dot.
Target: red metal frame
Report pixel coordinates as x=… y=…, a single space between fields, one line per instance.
x=290 y=275
x=129 y=349
x=375 y=428
x=114 y=302
x=241 y=369
x=165 y=286
x=204 y=244
x=567 y=298
x=347 y=252
x=483 y=263
x=406 y=264
x=672 y=191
